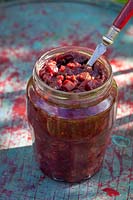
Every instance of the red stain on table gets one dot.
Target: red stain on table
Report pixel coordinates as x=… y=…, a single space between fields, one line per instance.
x=111 y=192
x=43 y=12
x=117 y=63
x=13 y=75
x=129 y=31
x=4 y=59
x=76 y=40
x=7 y=192
x=3 y=17
x=16 y=25
x=19 y=106
x=11 y=129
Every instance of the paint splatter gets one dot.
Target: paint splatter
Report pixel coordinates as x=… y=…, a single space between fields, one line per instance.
x=111 y=192
x=129 y=31
x=4 y=60
x=12 y=76
x=75 y=40
x=42 y=178
x=7 y=192
x=19 y=106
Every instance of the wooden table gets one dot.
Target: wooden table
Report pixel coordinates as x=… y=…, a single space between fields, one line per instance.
x=26 y=31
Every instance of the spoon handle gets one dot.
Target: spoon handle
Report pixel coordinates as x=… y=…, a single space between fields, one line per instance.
x=120 y=21
x=124 y=16
x=108 y=39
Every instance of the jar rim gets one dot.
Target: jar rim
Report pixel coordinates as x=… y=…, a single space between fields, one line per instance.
x=63 y=94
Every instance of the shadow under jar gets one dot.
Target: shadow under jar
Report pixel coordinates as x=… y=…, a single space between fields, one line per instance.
x=70 y=130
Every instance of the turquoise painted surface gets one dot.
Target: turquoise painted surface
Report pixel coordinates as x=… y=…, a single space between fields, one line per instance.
x=26 y=31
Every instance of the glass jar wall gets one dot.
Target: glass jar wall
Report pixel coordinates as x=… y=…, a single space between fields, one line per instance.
x=70 y=130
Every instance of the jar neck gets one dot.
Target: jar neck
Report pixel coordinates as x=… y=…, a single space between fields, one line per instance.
x=67 y=98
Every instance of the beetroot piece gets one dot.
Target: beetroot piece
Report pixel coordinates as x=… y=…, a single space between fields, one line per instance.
x=69 y=85
x=68 y=72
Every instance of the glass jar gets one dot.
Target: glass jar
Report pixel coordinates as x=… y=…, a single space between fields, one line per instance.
x=70 y=130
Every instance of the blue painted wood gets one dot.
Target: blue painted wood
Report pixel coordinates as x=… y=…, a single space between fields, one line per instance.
x=26 y=31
